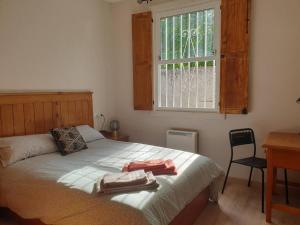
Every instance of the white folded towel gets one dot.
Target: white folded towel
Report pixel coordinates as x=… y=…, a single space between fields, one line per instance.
x=124 y=179
x=127 y=182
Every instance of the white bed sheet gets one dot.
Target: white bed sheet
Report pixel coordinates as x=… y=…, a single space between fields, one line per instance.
x=60 y=190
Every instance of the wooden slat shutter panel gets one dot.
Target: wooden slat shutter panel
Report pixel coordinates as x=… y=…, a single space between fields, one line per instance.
x=142 y=60
x=234 y=56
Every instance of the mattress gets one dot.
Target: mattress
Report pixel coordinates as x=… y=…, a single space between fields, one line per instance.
x=61 y=190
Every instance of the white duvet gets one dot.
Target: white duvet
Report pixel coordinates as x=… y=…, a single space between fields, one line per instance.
x=60 y=190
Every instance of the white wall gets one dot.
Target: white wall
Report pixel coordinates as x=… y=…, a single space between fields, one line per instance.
x=57 y=45
x=274 y=83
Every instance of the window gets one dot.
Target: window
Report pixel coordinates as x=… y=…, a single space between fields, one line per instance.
x=187 y=63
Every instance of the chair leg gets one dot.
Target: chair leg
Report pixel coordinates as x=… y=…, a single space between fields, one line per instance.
x=225 y=181
x=262 y=191
x=249 y=181
x=286 y=187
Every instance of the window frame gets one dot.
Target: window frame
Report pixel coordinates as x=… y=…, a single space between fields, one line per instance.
x=175 y=9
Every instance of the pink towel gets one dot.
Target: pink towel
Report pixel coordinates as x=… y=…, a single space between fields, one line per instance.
x=158 y=167
x=153 y=164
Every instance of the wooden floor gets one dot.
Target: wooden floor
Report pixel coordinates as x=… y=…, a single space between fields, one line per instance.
x=239 y=205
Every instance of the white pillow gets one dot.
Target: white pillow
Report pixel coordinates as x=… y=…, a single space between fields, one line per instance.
x=89 y=134
x=14 y=149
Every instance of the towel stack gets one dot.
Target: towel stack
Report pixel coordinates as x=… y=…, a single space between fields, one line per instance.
x=126 y=182
x=157 y=167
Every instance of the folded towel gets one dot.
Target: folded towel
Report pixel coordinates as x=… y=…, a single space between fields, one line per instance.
x=150 y=183
x=153 y=164
x=168 y=171
x=157 y=169
x=124 y=179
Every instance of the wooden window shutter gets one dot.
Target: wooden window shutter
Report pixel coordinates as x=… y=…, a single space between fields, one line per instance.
x=234 y=56
x=142 y=60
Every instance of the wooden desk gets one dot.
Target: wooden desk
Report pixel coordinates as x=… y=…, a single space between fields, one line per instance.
x=283 y=151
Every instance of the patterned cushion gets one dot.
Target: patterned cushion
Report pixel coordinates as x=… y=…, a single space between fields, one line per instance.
x=68 y=140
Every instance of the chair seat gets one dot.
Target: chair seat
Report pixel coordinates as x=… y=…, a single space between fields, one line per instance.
x=252 y=162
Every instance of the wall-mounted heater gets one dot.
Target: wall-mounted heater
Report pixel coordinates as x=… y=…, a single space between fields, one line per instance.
x=182 y=139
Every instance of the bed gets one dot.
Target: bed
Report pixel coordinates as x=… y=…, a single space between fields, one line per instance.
x=61 y=190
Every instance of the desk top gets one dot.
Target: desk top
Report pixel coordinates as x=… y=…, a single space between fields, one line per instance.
x=286 y=141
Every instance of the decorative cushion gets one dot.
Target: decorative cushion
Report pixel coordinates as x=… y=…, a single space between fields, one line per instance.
x=88 y=133
x=16 y=148
x=68 y=140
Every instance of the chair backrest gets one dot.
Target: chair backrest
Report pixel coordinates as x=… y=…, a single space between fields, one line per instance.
x=242 y=137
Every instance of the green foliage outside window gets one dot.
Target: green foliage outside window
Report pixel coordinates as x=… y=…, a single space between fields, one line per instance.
x=187 y=36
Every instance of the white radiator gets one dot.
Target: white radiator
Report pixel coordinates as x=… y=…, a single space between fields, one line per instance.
x=183 y=140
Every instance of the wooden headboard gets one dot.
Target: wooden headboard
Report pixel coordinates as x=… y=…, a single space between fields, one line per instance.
x=34 y=113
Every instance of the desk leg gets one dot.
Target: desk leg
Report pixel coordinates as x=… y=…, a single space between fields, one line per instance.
x=270 y=183
x=274 y=180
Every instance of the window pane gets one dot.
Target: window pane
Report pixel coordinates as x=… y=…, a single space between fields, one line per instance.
x=187 y=35
x=210 y=32
x=187 y=85
x=162 y=86
x=163 y=39
x=206 y=84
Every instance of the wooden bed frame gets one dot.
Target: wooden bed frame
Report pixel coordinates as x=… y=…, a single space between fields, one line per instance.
x=37 y=112
x=34 y=113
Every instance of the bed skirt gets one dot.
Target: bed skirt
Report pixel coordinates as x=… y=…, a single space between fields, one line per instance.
x=186 y=217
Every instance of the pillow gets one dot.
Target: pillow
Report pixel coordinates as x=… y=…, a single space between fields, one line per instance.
x=68 y=140
x=13 y=149
x=89 y=134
